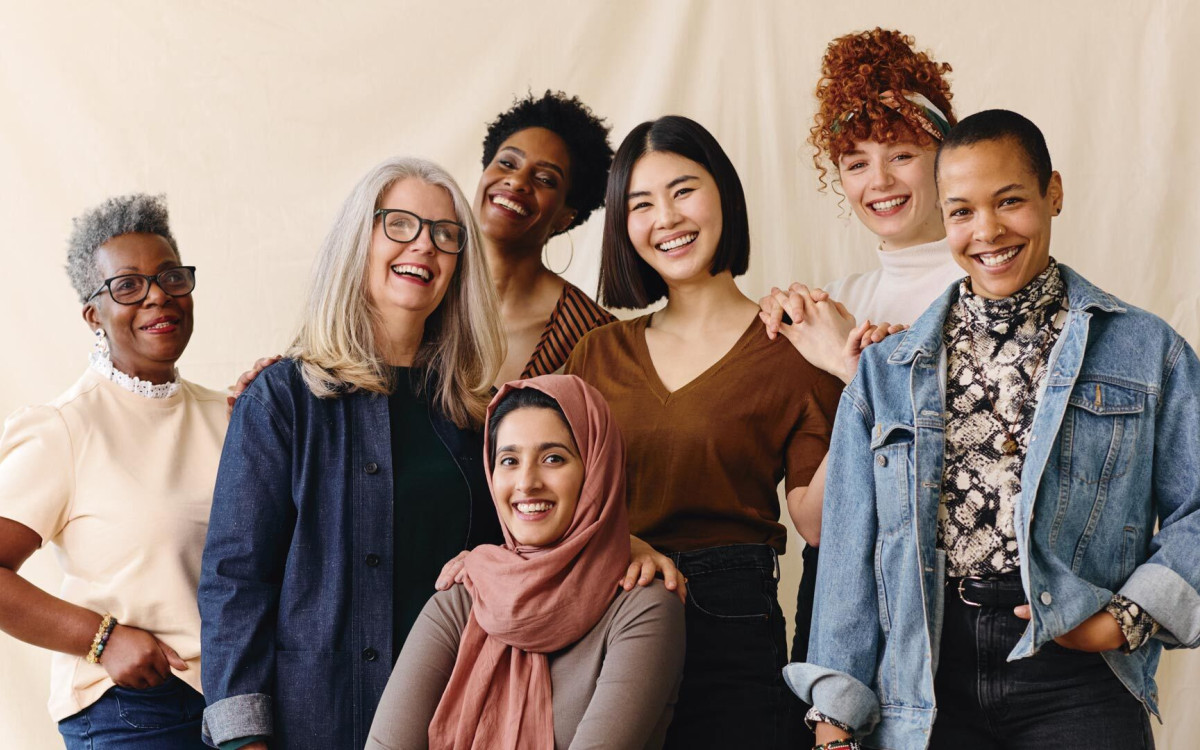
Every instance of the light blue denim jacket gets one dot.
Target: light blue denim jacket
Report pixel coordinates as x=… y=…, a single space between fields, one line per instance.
x=1114 y=448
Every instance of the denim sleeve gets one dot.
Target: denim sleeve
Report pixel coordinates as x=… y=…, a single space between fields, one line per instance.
x=249 y=533
x=844 y=643
x=1166 y=585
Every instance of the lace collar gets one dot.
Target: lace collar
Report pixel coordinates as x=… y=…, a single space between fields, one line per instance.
x=101 y=363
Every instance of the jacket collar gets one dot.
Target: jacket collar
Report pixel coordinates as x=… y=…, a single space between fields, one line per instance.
x=925 y=335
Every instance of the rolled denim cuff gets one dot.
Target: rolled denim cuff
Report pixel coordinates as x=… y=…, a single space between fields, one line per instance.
x=1169 y=599
x=835 y=694
x=236 y=717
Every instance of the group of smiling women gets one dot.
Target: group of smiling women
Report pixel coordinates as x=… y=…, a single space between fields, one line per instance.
x=603 y=543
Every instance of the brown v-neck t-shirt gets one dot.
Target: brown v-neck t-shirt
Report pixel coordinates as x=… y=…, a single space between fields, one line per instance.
x=704 y=461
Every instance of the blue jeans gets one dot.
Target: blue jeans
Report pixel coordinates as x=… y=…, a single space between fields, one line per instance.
x=732 y=694
x=1059 y=698
x=165 y=717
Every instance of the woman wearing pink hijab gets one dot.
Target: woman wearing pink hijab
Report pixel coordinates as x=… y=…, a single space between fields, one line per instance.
x=539 y=649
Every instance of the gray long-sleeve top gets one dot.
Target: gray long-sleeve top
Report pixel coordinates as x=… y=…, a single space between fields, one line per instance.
x=614 y=689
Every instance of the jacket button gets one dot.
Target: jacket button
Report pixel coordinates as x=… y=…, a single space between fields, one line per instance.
x=881 y=460
x=370 y=654
x=1046 y=598
x=372 y=560
x=371 y=467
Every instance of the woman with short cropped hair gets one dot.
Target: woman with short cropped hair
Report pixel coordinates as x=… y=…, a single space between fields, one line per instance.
x=117 y=473
x=1013 y=502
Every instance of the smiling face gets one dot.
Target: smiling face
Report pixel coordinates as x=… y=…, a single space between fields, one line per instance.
x=522 y=195
x=675 y=218
x=537 y=476
x=997 y=220
x=891 y=188
x=145 y=339
x=410 y=278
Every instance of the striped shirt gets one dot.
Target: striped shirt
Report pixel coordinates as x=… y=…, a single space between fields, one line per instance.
x=574 y=315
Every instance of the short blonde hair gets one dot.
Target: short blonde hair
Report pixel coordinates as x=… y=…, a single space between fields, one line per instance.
x=463 y=345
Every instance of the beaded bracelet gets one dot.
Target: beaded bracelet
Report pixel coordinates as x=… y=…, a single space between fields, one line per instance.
x=101 y=640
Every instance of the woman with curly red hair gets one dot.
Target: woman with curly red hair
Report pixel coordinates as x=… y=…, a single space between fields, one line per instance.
x=883 y=108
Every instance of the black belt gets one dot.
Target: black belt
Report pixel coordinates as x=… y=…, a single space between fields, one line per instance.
x=1001 y=591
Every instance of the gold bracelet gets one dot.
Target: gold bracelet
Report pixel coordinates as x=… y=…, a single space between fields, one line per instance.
x=101 y=640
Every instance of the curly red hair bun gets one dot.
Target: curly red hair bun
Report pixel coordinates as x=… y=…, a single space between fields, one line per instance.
x=856 y=69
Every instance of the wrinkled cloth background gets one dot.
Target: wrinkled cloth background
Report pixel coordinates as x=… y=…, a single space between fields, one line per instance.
x=257 y=118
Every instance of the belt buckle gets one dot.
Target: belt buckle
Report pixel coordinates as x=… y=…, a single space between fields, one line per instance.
x=962 y=595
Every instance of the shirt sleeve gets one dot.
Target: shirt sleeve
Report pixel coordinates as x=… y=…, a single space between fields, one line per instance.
x=37 y=471
x=809 y=441
x=421 y=674
x=1136 y=623
x=640 y=675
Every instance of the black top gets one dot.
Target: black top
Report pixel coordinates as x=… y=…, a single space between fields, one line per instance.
x=431 y=506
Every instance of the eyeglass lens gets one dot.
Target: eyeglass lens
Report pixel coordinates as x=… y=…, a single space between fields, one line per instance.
x=402 y=226
x=134 y=287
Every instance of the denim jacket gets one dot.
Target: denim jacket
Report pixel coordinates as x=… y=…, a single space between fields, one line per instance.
x=1114 y=448
x=296 y=582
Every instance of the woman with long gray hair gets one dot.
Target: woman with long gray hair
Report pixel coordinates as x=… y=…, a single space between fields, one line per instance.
x=352 y=470
x=117 y=473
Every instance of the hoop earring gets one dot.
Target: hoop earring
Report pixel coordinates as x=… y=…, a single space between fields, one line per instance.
x=571 y=259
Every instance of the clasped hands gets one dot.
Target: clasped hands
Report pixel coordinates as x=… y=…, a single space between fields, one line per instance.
x=822 y=330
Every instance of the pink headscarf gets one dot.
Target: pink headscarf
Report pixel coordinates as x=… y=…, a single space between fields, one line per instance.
x=527 y=602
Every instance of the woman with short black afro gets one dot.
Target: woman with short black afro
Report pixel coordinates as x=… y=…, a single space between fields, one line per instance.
x=545 y=166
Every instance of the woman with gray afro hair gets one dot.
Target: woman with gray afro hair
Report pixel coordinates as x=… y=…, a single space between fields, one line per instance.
x=123 y=214
x=117 y=473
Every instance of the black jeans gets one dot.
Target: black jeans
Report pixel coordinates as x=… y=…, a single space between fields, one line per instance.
x=805 y=599
x=733 y=694
x=1058 y=698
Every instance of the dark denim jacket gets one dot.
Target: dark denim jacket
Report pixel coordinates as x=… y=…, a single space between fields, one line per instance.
x=296 y=584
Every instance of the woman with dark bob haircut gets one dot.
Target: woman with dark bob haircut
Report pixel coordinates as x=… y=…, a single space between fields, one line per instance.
x=545 y=162
x=709 y=438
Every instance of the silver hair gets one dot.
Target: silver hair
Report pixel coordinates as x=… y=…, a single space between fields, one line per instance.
x=463 y=341
x=123 y=214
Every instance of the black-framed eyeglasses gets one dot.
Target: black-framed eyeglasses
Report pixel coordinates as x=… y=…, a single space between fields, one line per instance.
x=132 y=288
x=405 y=226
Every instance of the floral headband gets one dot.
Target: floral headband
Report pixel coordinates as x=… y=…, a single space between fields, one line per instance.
x=915 y=108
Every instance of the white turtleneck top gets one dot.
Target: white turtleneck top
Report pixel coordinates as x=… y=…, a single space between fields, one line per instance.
x=906 y=282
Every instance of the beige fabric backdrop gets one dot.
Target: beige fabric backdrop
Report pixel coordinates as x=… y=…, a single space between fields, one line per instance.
x=256 y=119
